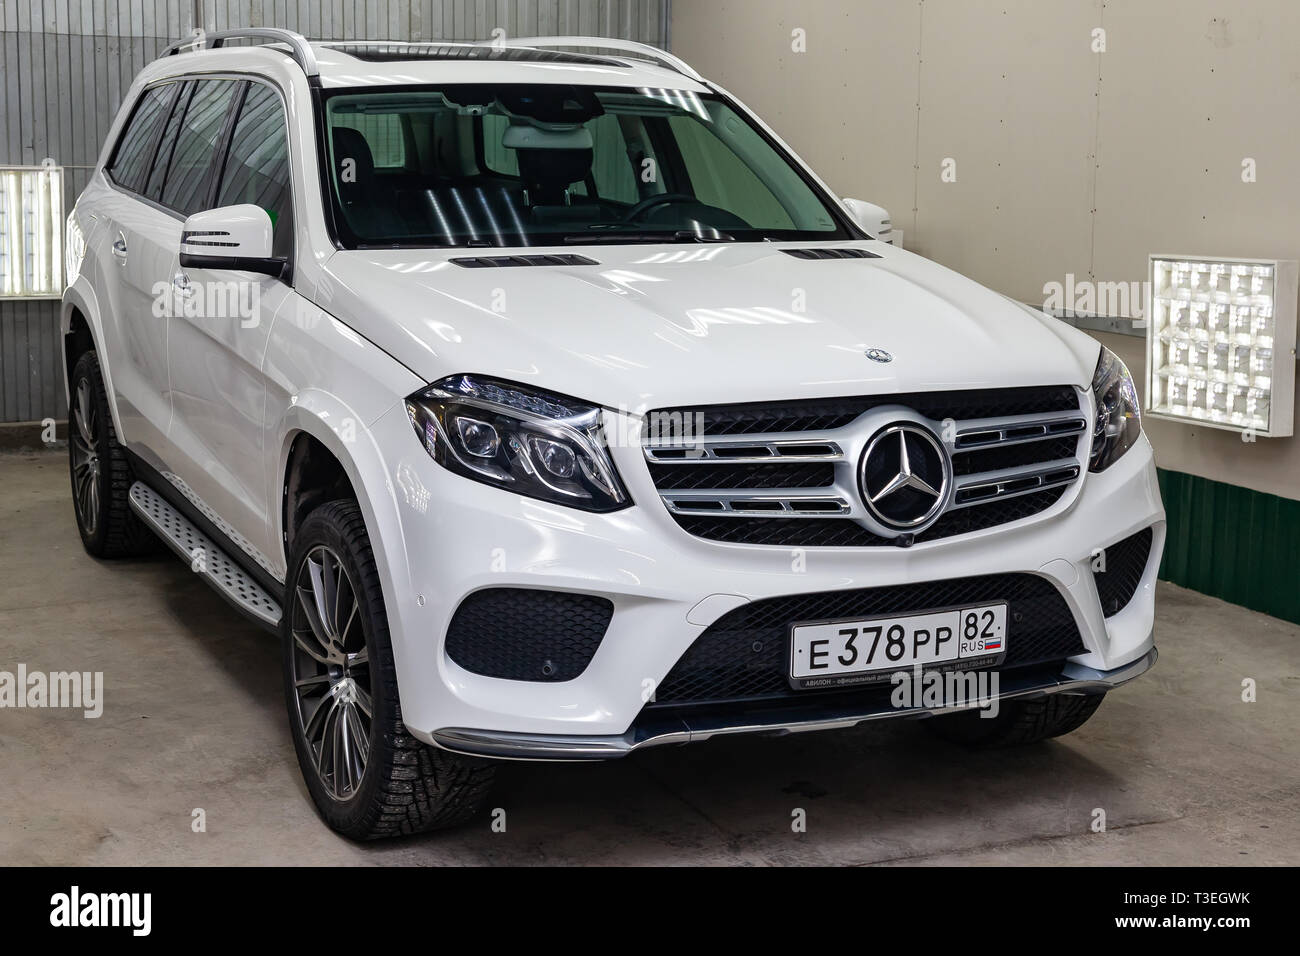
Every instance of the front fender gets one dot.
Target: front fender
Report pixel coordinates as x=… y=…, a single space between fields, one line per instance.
x=370 y=472
x=338 y=427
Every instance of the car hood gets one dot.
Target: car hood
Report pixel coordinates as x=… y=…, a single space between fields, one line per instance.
x=648 y=326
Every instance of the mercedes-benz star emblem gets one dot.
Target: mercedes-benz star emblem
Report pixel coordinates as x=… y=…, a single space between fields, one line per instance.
x=905 y=476
x=879 y=355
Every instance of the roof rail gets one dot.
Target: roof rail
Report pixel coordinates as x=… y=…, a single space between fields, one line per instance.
x=640 y=50
x=299 y=48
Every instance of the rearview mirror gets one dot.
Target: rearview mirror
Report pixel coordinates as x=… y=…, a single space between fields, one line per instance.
x=231 y=237
x=874 y=219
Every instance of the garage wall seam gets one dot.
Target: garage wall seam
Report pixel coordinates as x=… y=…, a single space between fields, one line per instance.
x=1096 y=153
x=916 y=146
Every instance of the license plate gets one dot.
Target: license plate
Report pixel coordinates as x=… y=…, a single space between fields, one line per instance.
x=863 y=650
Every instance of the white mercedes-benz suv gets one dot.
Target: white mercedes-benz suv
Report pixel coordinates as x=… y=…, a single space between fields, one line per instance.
x=550 y=408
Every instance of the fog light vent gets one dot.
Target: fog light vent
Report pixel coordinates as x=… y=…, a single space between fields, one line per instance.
x=526 y=634
x=1125 y=561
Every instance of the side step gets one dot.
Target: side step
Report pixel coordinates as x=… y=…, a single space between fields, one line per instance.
x=230 y=580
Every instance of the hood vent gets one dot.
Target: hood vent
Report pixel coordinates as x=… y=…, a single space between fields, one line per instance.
x=830 y=253
x=489 y=262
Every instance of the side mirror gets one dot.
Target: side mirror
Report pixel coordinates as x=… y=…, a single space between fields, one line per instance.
x=874 y=219
x=230 y=237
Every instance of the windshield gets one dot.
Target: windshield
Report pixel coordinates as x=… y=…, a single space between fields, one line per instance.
x=520 y=165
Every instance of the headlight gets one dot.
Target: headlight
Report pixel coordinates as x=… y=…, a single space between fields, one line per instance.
x=529 y=442
x=1119 y=416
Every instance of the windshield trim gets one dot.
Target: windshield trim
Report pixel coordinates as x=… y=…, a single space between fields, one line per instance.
x=846 y=229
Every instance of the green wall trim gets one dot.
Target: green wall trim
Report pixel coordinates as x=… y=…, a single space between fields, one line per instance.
x=1232 y=543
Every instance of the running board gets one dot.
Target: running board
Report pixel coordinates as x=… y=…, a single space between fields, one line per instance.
x=204 y=556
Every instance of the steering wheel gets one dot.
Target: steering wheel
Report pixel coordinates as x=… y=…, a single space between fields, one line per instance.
x=645 y=205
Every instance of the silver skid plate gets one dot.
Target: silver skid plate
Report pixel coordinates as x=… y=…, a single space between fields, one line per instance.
x=204 y=556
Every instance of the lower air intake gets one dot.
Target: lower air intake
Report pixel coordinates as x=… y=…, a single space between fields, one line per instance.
x=524 y=634
x=1125 y=562
x=744 y=655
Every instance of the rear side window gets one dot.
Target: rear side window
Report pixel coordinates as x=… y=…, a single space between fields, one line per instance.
x=189 y=174
x=134 y=154
x=167 y=144
x=257 y=168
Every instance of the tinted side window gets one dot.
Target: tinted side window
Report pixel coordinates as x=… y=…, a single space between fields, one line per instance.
x=257 y=169
x=167 y=144
x=721 y=178
x=612 y=169
x=496 y=158
x=186 y=188
x=135 y=149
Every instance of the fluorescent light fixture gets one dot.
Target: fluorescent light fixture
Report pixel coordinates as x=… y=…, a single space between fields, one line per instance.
x=31 y=231
x=1221 y=340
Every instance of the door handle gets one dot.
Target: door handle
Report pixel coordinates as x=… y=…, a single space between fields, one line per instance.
x=119 y=247
x=181 y=283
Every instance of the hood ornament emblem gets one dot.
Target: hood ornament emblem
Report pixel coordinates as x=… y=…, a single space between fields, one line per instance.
x=879 y=355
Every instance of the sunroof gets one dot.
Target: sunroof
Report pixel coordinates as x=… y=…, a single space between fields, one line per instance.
x=396 y=52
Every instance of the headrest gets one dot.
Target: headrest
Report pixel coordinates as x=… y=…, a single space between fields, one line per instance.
x=555 y=168
x=350 y=144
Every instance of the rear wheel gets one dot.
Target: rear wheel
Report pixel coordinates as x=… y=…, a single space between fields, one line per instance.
x=368 y=777
x=1018 y=721
x=101 y=474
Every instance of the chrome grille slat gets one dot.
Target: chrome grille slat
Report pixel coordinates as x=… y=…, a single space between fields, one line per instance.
x=777 y=448
x=1048 y=475
x=974 y=442
x=792 y=502
x=1054 y=424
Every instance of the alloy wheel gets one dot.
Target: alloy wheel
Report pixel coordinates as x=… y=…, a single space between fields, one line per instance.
x=331 y=673
x=85 y=457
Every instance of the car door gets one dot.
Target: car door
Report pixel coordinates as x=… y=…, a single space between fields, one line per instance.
x=218 y=341
x=134 y=263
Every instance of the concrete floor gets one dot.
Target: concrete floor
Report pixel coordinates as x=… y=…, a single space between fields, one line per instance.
x=1186 y=772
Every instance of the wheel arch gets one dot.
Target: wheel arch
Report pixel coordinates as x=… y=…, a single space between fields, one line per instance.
x=80 y=331
x=320 y=461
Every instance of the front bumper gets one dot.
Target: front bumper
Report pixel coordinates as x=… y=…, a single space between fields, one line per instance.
x=777 y=720
x=450 y=537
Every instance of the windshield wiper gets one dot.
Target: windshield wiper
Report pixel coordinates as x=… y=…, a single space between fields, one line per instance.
x=680 y=235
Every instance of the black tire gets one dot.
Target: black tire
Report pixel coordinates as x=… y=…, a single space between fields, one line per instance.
x=1018 y=722
x=401 y=786
x=100 y=473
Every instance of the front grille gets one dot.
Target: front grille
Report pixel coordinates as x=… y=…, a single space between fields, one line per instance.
x=523 y=634
x=1124 y=563
x=744 y=655
x=809 y=475
x=786 y=473
x=815 y=414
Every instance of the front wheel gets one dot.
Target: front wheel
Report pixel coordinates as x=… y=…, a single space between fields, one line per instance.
x=368 y=777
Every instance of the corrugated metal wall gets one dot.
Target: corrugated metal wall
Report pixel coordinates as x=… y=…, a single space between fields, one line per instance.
x=65 y=64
